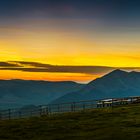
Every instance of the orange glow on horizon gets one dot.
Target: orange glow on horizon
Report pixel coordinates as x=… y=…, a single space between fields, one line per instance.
x=47 y=76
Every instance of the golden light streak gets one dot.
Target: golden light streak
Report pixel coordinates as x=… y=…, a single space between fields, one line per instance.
x=46 y=76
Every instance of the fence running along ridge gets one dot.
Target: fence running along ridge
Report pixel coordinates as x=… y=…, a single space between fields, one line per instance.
x=64 y=107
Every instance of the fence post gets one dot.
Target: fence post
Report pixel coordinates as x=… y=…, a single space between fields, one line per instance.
x=9 y=114
x=103 y=104
x=40 y=110
x=73 y=107
x=19 y=114
x=49 y=109
x=98 y=104
x=84 y=106
x=131 y=100
x=112 y=103
x=58 y=108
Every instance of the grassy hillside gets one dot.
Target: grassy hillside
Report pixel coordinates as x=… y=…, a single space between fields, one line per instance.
x=117 y=123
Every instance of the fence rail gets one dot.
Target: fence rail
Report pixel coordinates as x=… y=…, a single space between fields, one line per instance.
x=65 y=107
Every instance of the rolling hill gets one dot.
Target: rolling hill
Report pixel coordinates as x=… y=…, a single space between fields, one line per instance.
x=17 y=93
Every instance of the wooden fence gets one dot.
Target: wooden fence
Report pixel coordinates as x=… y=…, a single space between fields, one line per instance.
x=65 y=107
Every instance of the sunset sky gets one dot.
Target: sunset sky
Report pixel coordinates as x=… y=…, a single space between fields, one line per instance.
x=77 y=40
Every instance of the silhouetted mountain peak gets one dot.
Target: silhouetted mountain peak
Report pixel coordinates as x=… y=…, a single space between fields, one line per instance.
x=116 y=73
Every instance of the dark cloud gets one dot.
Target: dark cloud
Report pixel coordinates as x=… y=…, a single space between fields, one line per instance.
x=35 y=64
x=66 y=69
x=40 y=67
x=7 y=64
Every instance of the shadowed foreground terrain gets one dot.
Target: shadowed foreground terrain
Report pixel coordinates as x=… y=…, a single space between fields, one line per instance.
x=117 y=123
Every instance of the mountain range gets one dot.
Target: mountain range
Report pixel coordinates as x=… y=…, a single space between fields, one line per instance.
x=116 y=84
x=17 y=93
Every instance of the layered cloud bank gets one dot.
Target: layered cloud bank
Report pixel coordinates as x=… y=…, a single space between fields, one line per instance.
x=41 y=71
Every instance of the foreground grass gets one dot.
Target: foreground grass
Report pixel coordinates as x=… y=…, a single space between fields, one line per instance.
x=117 y=123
